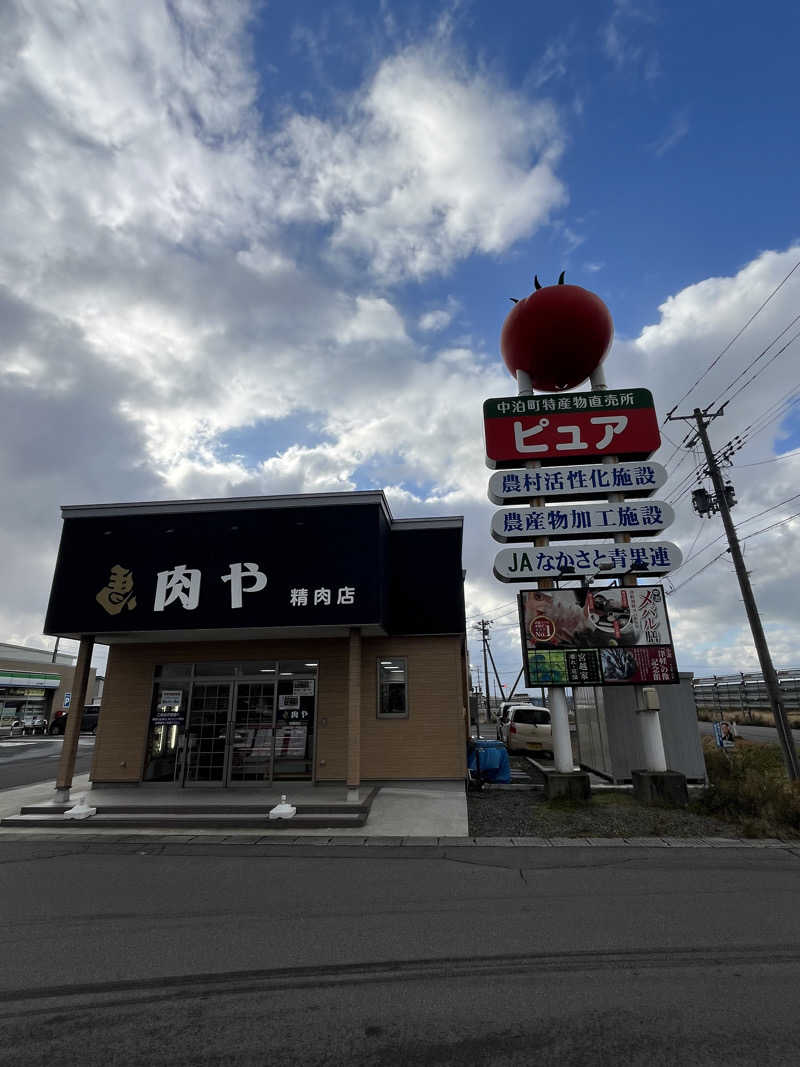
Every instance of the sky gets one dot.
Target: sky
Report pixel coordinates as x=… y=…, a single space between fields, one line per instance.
x=265 y=248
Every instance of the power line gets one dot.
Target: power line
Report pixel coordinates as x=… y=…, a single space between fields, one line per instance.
x=761 y=462
x=748 y=537
x=766 y=529
x=771 y=360
x=495 y=610
x=696 y=539
x=755 y=360
x=735 y=337
x=738 y=526
x=697 y=573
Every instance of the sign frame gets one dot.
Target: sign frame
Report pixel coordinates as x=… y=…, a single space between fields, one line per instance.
x=570 y=523
x=577 y=561
x=580 y=481
x=605 y=652
x=615 y=422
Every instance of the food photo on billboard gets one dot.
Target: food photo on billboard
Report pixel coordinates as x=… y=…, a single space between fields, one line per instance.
x=596 y=636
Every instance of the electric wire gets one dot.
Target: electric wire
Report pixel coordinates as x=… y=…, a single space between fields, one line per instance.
x=736 y=337
x=761 y=462
x=742 y=540
x=690 y=555
x=756 y=359
x=769 y=362
x=696 y=538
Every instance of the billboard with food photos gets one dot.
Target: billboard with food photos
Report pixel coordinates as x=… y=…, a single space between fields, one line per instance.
x=596 y=636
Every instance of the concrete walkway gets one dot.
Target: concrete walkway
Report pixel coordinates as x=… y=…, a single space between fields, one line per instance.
x=429 y=810
x=409 y=814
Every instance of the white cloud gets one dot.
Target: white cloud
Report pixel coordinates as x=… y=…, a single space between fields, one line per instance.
x=430 y=164
x=675 y=132
x=171 y=272
x=623 y=41
x=552 y=64
x=434 y=321
x=438 y=319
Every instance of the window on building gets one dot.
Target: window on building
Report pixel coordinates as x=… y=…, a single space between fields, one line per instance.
x=392 y=688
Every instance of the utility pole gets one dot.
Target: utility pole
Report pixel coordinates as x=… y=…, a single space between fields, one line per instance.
x=483 y=629
x=703 y=419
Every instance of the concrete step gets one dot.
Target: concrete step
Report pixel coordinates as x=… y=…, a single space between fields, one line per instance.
x=256 y=810
x=171 y=819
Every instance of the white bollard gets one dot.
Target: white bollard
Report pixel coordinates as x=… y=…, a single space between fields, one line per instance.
x=81 y=810
x=284 y=810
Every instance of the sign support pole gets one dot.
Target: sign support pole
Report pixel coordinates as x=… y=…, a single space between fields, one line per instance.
x=69 y=749
x=354 y=716
x=649 y=720
x=556 y=697
x=516 y=681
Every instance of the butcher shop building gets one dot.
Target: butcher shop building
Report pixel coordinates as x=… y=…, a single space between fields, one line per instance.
x=262 y=639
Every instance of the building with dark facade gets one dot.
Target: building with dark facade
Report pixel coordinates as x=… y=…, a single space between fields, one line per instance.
x=265 y=638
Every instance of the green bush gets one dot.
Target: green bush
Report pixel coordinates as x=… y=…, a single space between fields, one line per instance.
x=748 y=785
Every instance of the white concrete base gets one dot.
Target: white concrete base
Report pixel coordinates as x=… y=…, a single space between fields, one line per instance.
x=284 y=810
x=81 y=809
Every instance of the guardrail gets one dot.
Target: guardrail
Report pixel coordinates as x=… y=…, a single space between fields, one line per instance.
x=745 y=694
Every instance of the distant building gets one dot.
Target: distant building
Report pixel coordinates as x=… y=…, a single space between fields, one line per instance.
x=31 y=684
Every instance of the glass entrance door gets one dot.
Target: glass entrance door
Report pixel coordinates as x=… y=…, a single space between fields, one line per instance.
x=207 y=733
x=295 y=721
x=242 y=724
x=253 y=731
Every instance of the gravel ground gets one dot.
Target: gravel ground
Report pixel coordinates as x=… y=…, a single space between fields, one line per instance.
x=526 y=813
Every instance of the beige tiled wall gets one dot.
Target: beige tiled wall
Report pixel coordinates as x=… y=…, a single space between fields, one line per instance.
x=429 y=744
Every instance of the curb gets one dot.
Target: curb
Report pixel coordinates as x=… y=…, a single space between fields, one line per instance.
x=89 y=836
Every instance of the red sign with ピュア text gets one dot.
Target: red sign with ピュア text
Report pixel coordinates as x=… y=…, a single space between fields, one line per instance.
x=570 y=426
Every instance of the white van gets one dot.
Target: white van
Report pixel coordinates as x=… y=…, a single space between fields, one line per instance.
x=503 y=710
x=528 y=729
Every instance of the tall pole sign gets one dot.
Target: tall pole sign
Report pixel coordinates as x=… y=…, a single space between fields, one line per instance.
x=580 y=461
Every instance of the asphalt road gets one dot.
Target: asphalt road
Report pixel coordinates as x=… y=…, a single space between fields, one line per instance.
x=27 y=760
x=153 y=953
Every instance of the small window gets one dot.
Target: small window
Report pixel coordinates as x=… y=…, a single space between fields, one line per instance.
x=392 y=689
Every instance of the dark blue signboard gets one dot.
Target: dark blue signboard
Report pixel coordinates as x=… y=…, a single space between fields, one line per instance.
x=253 y=568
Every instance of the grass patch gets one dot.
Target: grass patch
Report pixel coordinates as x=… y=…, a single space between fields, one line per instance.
x=748 y=786
x=748 y=795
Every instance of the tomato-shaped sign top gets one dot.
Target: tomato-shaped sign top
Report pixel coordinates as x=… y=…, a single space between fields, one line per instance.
x=559 y=335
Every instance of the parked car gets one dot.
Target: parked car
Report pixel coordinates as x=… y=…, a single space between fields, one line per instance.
x=502 y=714
x=528 y=729
x=91 y=714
